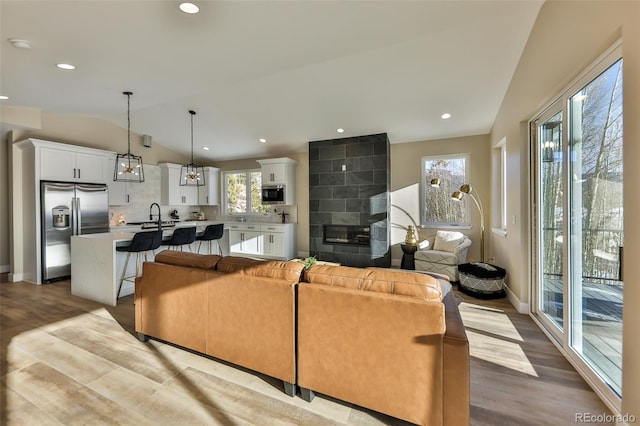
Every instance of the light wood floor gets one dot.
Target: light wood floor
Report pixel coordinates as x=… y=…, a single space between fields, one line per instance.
x=69 y=361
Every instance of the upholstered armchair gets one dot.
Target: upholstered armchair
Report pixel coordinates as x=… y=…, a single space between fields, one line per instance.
x=443 y=253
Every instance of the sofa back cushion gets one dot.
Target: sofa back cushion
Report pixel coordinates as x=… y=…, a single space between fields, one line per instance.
x=290 y=271
x=380 y=280
x=191 y=260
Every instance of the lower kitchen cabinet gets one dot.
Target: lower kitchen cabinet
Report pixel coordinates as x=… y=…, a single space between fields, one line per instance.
x=244 y=239
x=270 y=241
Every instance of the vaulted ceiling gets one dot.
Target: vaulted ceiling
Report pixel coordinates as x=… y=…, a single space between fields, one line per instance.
x=286 y=71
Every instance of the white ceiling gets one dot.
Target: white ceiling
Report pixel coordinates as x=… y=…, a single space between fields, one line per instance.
x=287 y=71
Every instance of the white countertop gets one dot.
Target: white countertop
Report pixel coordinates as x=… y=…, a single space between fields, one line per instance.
x=115 y=236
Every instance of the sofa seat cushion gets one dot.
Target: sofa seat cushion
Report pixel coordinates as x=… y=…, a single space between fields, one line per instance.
x=191 y=260
x=436 y=256
x=379 y=280
x=289 y=271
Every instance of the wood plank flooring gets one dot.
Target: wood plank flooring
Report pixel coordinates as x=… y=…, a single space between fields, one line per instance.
x=66 y=361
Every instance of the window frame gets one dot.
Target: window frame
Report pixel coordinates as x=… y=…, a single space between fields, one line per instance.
x=225 y=190
x=425 y=182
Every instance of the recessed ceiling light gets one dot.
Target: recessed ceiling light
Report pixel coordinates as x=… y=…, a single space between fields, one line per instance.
x=189 y=7
x=340 y=130
x=20 y=43
x=206 y=148
x=66 y=66
x=3 y=97
x=445 y=116
x=263 y=140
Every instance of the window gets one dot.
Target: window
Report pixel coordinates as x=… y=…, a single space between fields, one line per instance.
x=438 y=209
x=242 y=189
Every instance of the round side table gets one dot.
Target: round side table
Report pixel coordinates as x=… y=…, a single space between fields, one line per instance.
x=408 y=261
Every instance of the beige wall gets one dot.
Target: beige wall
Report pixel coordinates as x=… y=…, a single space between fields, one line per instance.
x=406 y=173
x=567 y=37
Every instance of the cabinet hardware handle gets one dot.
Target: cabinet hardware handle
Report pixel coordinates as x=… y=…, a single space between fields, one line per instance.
x=128 y=198
x=78 y=173
x=74 y=173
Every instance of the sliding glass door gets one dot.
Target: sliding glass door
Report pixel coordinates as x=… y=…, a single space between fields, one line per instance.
x=579 y=232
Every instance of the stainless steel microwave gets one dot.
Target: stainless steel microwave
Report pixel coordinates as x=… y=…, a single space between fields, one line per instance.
x=273 y=194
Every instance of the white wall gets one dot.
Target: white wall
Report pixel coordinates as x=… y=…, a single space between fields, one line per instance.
x=567 y=37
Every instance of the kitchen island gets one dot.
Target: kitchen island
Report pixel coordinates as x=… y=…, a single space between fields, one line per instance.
x=96 y=266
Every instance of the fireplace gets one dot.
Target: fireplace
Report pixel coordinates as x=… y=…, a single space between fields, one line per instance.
x=349 y=187
x=355 y=235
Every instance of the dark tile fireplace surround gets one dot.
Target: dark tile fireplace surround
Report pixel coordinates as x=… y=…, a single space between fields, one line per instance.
x=349 y=183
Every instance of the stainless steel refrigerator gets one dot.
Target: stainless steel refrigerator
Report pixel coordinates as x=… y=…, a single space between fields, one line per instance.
x=69 y=209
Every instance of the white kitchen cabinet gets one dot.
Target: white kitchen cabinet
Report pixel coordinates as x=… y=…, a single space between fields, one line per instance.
x=244 y=239
x=278 y=241
x=208 y=195
x=171 y=192
x=270 y=241
x=274 y=173
x=280 y=171
x=70 y=165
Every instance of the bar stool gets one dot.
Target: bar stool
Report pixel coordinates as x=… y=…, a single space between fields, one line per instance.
x=211 y=232
x=157 y=241
x=181 y=237
x=141 y=243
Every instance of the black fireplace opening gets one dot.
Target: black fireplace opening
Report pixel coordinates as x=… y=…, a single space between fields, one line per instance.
x=355 y=235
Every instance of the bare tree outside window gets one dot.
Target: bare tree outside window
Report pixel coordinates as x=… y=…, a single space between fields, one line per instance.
x=438 y=207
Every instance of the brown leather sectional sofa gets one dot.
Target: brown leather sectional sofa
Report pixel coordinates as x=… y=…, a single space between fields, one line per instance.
x=384 y=339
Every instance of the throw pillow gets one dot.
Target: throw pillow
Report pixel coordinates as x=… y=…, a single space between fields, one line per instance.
x=448 y=241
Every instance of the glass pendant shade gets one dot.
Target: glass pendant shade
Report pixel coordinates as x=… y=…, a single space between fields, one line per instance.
x=128 y=167
x=192 y=174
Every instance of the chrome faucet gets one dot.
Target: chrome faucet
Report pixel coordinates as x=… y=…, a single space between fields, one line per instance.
x=159 y=214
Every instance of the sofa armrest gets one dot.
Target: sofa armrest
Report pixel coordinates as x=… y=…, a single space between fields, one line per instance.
x=456 y=367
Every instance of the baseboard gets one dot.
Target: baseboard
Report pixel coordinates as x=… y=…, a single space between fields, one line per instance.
x=4 y=268
x=522 y=308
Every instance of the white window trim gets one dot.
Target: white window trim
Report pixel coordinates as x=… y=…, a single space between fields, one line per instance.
x=225 y=192
x=500 y=202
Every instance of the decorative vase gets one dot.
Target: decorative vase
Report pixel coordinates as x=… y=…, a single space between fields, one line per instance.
x=411 y=238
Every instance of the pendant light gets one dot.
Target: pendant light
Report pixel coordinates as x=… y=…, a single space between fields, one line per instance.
x=192 y=174
x=128 y=166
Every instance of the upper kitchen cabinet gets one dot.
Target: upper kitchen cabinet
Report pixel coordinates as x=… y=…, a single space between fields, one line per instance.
x=66 y=163
x=208 y=195
x=69 y=163
x=171 y=193
x=280 y=171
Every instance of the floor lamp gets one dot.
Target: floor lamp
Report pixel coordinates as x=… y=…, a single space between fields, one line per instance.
x=469 y=190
